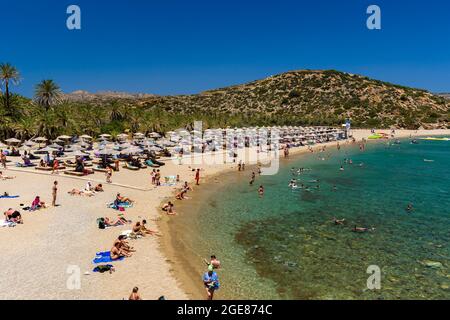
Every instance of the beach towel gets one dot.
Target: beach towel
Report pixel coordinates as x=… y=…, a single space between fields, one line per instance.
x=4 y=223
x=120 y=206
x=102 y=257
x=8 y=197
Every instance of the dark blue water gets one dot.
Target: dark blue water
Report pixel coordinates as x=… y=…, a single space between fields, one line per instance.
x=285 y=245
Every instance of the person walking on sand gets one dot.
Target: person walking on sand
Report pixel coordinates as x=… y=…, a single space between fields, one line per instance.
x=108 y=174
x=3 y=159
x=54 y=193
x=134 y=294
x=55 y=166
x=197 y=177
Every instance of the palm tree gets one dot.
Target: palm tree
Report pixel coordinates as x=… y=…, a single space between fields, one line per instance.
x=47 y=94
x=8 y=73
x=116 y=111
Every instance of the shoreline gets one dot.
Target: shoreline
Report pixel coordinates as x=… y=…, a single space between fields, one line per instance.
x=184 y=270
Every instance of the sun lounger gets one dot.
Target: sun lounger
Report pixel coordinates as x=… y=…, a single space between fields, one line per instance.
x=74 y=173
x=49 y=168
x=151 y=164
x=21 y=165
x=130 y=167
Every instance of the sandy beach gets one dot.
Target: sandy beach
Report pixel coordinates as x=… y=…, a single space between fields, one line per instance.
x=37 y=254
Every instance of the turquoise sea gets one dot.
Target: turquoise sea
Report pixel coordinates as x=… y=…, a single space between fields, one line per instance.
x=285 y=245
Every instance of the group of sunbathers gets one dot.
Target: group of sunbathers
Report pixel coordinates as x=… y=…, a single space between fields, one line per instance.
x=121 y=247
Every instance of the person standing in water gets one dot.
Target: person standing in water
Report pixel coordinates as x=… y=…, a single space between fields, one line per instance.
x=197 y=177
x=54 y=193
x=253 y=178
x=261 y=191
x=211 y=282
x=214 y=262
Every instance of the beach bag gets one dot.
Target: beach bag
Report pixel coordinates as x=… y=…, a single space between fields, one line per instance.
x=101 y=223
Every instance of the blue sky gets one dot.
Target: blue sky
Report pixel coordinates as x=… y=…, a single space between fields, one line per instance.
x=182 y=46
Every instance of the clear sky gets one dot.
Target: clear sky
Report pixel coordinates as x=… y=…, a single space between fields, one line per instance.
x=187 y=46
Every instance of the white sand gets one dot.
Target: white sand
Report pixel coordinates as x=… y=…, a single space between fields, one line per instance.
x=36 y=255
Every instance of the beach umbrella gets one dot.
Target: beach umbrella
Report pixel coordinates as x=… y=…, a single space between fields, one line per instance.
x=85 y=136
x=54 y=146
x=29 y=143
x=12 y=140
x=40 y=139
x=47 y=149
x=78 y=153
x=64 y=137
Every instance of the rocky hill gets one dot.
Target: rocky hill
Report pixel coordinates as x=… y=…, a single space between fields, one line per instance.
x=306 y=97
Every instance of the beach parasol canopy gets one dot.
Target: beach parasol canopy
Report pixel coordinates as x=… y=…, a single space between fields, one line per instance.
x=47 y=149
x=40 y=139
x=64 y=137
x=29 y=143
x=78 y=153
x=12 y=140
x=85 y=136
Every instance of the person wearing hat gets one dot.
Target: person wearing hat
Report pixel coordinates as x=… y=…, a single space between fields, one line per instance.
x=211 y=282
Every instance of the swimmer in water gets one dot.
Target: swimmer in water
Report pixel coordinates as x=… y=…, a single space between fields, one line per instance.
x=342 y=168
x=338 y=221
x=261 y=191
x=409 y=207
x=334 y=188
x=361 y=230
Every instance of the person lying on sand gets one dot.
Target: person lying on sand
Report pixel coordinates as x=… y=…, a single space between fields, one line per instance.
x=358 y=229
x=99 y=188
x=76 y=192
x=12 y=215
x=110 y=223
x=168 y=208
x=5 y=177
x=121 y=199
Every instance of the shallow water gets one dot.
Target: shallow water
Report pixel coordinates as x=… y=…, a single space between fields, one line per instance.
x=285 y=246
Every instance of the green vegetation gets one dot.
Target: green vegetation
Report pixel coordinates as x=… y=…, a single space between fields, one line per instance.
x=294 y=98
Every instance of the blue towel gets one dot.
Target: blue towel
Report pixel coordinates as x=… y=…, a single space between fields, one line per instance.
x=8 y=197
x=102 y=257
